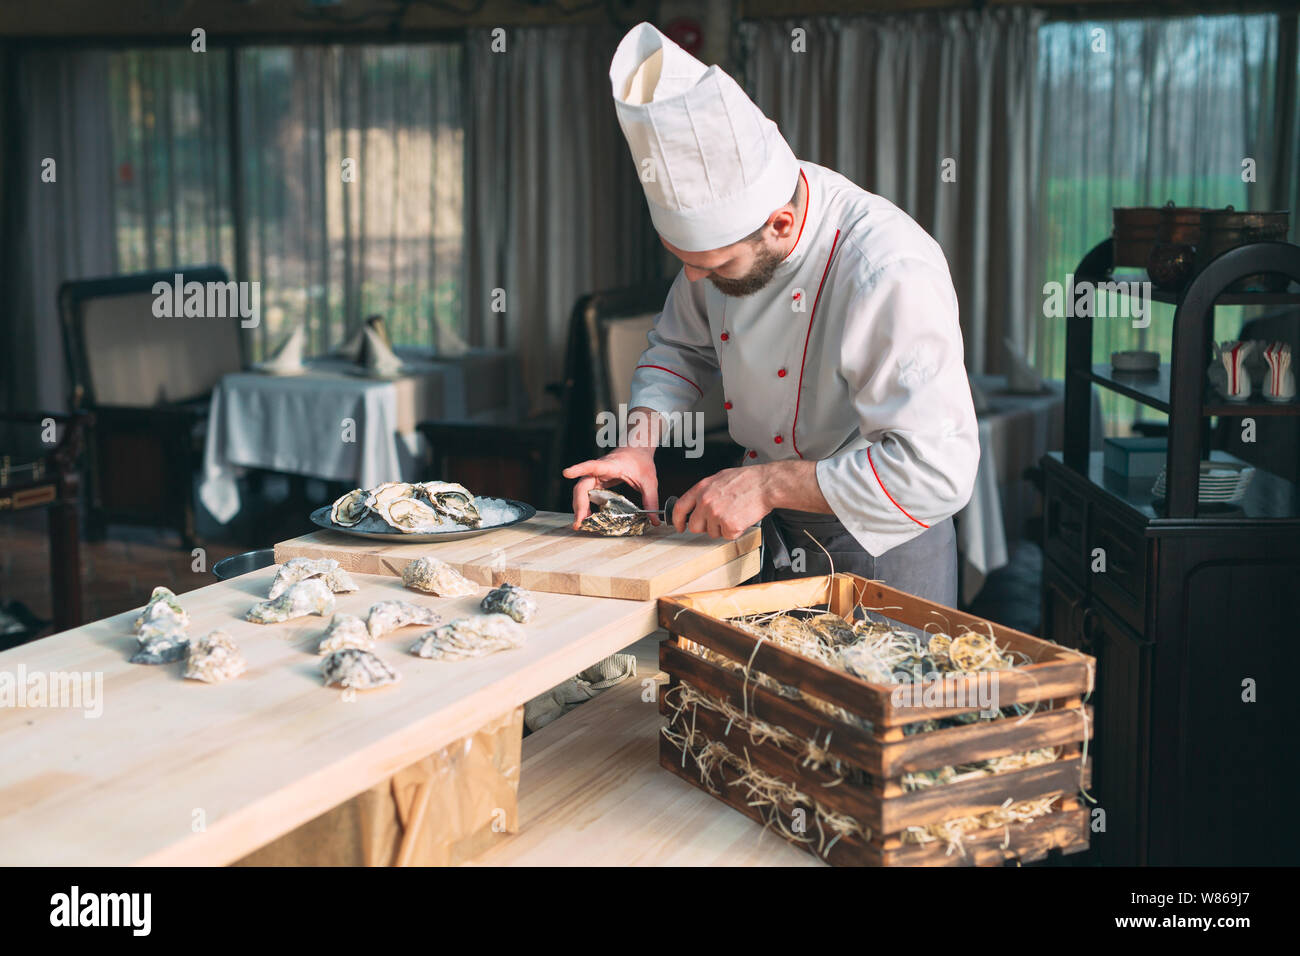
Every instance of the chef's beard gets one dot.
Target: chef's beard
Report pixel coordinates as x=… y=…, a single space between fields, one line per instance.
x=758 y=277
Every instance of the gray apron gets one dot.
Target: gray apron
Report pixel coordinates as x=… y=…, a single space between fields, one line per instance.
x=926 y=566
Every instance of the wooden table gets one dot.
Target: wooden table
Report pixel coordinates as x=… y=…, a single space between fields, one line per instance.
x=592 y=793
x=179 y=772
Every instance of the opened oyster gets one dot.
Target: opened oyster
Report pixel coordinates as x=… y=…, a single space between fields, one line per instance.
x=436 y=577
x=353 y=667
x=312 y=596
x=163 y=608
x=300 y=569
x=214 y=658
x=350 y=509
x=451 y=500
x=161 y=642
x=389 y=491
x=617 y=516
x=410 y=516
x=390 y=615
x=512 y=600
x=345 y=630
x=475 y=636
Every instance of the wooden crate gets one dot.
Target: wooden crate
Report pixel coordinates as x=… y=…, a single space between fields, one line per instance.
x=1057 y=683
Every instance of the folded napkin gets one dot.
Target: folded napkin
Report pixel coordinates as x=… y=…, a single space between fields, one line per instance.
x=447 y=340
x=380 y=357
x=353 y=347
x=1021 y=376
x=288 y=357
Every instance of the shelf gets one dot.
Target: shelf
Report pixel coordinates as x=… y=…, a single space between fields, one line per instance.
x=1149 y=388
x=1268 y=498
x=1227 y=298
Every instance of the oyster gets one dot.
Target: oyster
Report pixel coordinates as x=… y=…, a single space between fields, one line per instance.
x=214 y=658
x=409 y=515
x=345 y=630
x=300 y=569
x=512 y=600
x=436 y=577
x=353 y=667
x=350 y=509
x=162 y=608
x=390 y=615
x=160 y=643
x=312 y=596
x=475 y=636
x=452 y=501
x=617 y=516
x=387 y=492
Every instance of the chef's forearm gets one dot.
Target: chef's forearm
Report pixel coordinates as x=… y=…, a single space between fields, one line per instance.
x=792 y=485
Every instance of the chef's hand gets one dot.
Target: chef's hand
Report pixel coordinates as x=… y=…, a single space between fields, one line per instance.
x=634 y=465
x=726 y=504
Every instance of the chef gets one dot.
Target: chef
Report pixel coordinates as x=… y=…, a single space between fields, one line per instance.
x=830 y=316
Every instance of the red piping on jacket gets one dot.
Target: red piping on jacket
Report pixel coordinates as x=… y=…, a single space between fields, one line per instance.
x=807 y=201
x=798 y=396
x=678 y=374
x=886 y=490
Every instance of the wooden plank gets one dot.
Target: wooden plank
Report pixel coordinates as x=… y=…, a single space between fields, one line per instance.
x=1066 y=832
x=837 y=738
x=983 y=741
x=545 y=554
x=179 y=772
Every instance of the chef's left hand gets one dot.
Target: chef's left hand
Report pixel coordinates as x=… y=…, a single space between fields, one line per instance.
x=724 y=505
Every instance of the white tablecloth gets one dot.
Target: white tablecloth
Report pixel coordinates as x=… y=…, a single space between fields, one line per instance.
x=1015 y=432
x=333 y=424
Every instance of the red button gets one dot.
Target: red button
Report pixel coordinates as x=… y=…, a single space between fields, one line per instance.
x=753 y=454
x=725 y=336
x=777 y=439
x=780 y=373
x=727 y=405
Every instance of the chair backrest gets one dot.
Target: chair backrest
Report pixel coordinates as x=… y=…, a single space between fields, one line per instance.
x=120 y=353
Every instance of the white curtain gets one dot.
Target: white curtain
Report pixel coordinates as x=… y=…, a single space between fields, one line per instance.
x=892 y=103
x=553 y=205
x=63 y=229
x=1138 y=112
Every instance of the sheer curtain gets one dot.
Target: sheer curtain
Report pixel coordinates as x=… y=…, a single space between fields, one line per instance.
x=887 y=100
x=1138 y=112
x=553 y=205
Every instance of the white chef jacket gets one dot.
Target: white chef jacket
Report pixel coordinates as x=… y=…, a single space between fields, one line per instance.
x=851 y=357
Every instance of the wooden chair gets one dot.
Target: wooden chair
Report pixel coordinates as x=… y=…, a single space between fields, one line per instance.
x=147 y=381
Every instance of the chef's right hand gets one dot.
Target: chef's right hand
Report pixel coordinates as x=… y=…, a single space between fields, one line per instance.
x=634 y=465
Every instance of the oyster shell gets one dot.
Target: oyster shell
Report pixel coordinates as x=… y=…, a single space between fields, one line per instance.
x=161 y=642
x=436 y=577
x=350 y=509
x=617 y=516
x=409 y=515
x=311 y=596
x=345 y=630
x=387 y=492
x=353 y=667
x=512 y=600
x=162 y=608
x=452 y=501
x=390 y=615
x=475 y=636
x=214 y=658
x=300 y=569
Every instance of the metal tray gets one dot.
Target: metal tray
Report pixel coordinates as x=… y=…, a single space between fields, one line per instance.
x=321 y=518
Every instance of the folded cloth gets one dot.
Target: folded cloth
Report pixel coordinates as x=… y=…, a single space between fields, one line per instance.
x=562 y=698
x=288 y=357
x=380 y=357
x=1022 y=378
x=447 y=340
x=353 y=347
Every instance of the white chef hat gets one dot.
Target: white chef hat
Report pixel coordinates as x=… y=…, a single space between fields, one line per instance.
x=717 y=166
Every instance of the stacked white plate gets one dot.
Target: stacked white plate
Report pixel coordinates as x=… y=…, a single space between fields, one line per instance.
x=1221 y=481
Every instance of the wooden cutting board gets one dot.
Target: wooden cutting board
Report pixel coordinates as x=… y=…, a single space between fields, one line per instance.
x=544 y=554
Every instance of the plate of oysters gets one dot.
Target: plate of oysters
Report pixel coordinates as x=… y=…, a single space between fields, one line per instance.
x=419 y=511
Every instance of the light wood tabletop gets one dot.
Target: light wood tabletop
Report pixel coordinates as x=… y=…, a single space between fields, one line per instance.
x=180 y=772
x=592 y=793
